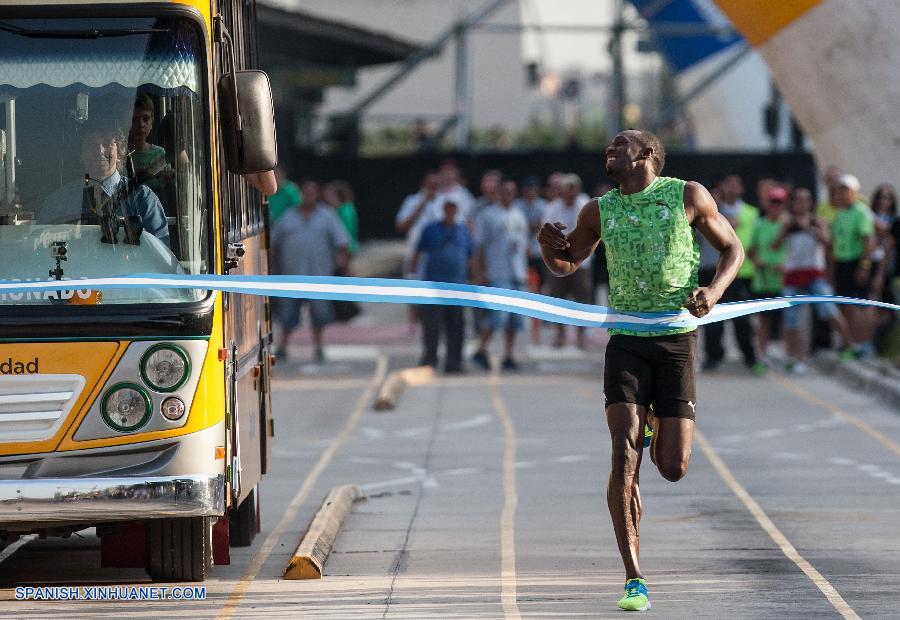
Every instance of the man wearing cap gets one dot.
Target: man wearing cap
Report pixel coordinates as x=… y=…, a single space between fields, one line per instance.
x=768 y=261
x=447 y=249
x=853 y=232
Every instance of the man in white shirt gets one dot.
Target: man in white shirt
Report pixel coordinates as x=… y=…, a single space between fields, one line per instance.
x=452 y=187
x=579 y=285
x=501 y=260
x=417 y=211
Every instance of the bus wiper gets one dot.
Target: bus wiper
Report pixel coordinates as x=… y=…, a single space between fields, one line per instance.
x=89 y=33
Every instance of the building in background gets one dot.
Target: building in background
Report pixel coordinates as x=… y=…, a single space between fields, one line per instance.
x=535 y=74
x=306 y=55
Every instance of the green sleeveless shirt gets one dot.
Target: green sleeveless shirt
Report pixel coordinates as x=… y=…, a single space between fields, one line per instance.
x=650 y=250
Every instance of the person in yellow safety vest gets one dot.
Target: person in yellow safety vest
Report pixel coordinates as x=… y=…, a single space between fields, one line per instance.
x=742 y=217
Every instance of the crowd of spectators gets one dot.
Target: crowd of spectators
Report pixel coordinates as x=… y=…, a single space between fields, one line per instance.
x=314 y=232
x=489 y=239
x=845 y=245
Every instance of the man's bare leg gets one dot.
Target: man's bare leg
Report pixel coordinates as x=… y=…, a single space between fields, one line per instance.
x=626 y=428
x=670 y=449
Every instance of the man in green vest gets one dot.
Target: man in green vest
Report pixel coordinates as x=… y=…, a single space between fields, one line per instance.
x=646 y=226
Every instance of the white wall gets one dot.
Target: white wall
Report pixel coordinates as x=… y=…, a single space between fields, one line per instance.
x=498 y=89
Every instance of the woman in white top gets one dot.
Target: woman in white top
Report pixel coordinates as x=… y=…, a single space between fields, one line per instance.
x=806 y=238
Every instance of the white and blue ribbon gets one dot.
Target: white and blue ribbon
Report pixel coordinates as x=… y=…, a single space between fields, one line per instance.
x=441 y=293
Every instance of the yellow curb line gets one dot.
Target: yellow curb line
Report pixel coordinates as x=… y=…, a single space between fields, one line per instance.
x=839 y=413
x=508 y=582
x=398 y=381
x=788 y=549
x=309 y=559
x=247 y=579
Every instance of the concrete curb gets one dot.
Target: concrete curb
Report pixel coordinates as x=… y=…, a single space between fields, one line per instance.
x=861 y=377
x=398 y=381
x=309 y=559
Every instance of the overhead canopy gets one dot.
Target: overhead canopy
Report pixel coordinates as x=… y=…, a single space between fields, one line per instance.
x=289 y=37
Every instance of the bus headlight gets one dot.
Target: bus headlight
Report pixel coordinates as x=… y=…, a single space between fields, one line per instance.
x=125 y=407
x=172 y=408
x=165 y=367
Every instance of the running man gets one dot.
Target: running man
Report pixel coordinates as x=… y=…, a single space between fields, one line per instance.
x=653 y=260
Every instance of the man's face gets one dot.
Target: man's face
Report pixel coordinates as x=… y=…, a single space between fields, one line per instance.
x=431 y=182
x=762 y=190
x=844 y=196
x=508 y=192
x=490 y=183
x=570 y=192
x=732 y=186
x=531 y=192
x=100 y=154
x=450 y=211
x=310 y=193
x=803 y=202
x=449 y=175
x=621 y=153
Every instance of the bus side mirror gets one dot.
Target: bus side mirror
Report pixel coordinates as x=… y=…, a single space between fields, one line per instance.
x=247 y=121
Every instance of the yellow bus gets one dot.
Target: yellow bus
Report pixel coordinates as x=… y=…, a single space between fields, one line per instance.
x=125 y=129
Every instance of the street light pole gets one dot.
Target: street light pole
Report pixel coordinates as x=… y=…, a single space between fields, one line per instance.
x=463 y=103
x=618 y=69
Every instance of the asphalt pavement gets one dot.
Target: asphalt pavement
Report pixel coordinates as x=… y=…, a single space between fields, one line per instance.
x=486 y=499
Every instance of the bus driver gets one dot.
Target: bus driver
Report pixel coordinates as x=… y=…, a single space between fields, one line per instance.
x=101 y=156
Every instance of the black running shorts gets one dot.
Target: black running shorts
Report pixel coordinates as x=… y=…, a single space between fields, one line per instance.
x=657 y=370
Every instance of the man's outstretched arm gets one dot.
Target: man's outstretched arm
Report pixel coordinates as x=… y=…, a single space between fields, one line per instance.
x=562 y=254
x=704 y=215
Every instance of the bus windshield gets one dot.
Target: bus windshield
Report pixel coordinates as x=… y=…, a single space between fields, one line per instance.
x=103 y=149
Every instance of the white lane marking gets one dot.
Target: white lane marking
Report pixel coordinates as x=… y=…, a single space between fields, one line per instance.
x=769 y=432
x=525 y=464
x=788 y=549
x=868 y=468
x=893 y=481
x=841 y=461
x=372 y=433
x=419 y=431
x=461 y=471
x=12 y=548
x=390 y=483
x=290 y=514
x=570 y=458
x=473 y=422
x=881 y=474
x=362 y=460
x=790 y=456
x=413 y=432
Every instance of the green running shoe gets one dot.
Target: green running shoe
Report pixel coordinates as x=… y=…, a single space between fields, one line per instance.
x=636 y=597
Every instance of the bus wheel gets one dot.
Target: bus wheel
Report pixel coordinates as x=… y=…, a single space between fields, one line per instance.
x=179 y=549
x=243 y=520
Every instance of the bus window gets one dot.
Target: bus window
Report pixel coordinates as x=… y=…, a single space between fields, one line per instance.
x=111 y=146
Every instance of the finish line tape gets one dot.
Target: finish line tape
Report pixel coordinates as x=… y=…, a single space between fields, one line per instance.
x=383 y=290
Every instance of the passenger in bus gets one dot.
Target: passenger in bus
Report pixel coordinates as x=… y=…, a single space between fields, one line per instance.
x=150 y=164
x=100 y=157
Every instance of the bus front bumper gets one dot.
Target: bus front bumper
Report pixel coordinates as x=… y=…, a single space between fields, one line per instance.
x=99 y=500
